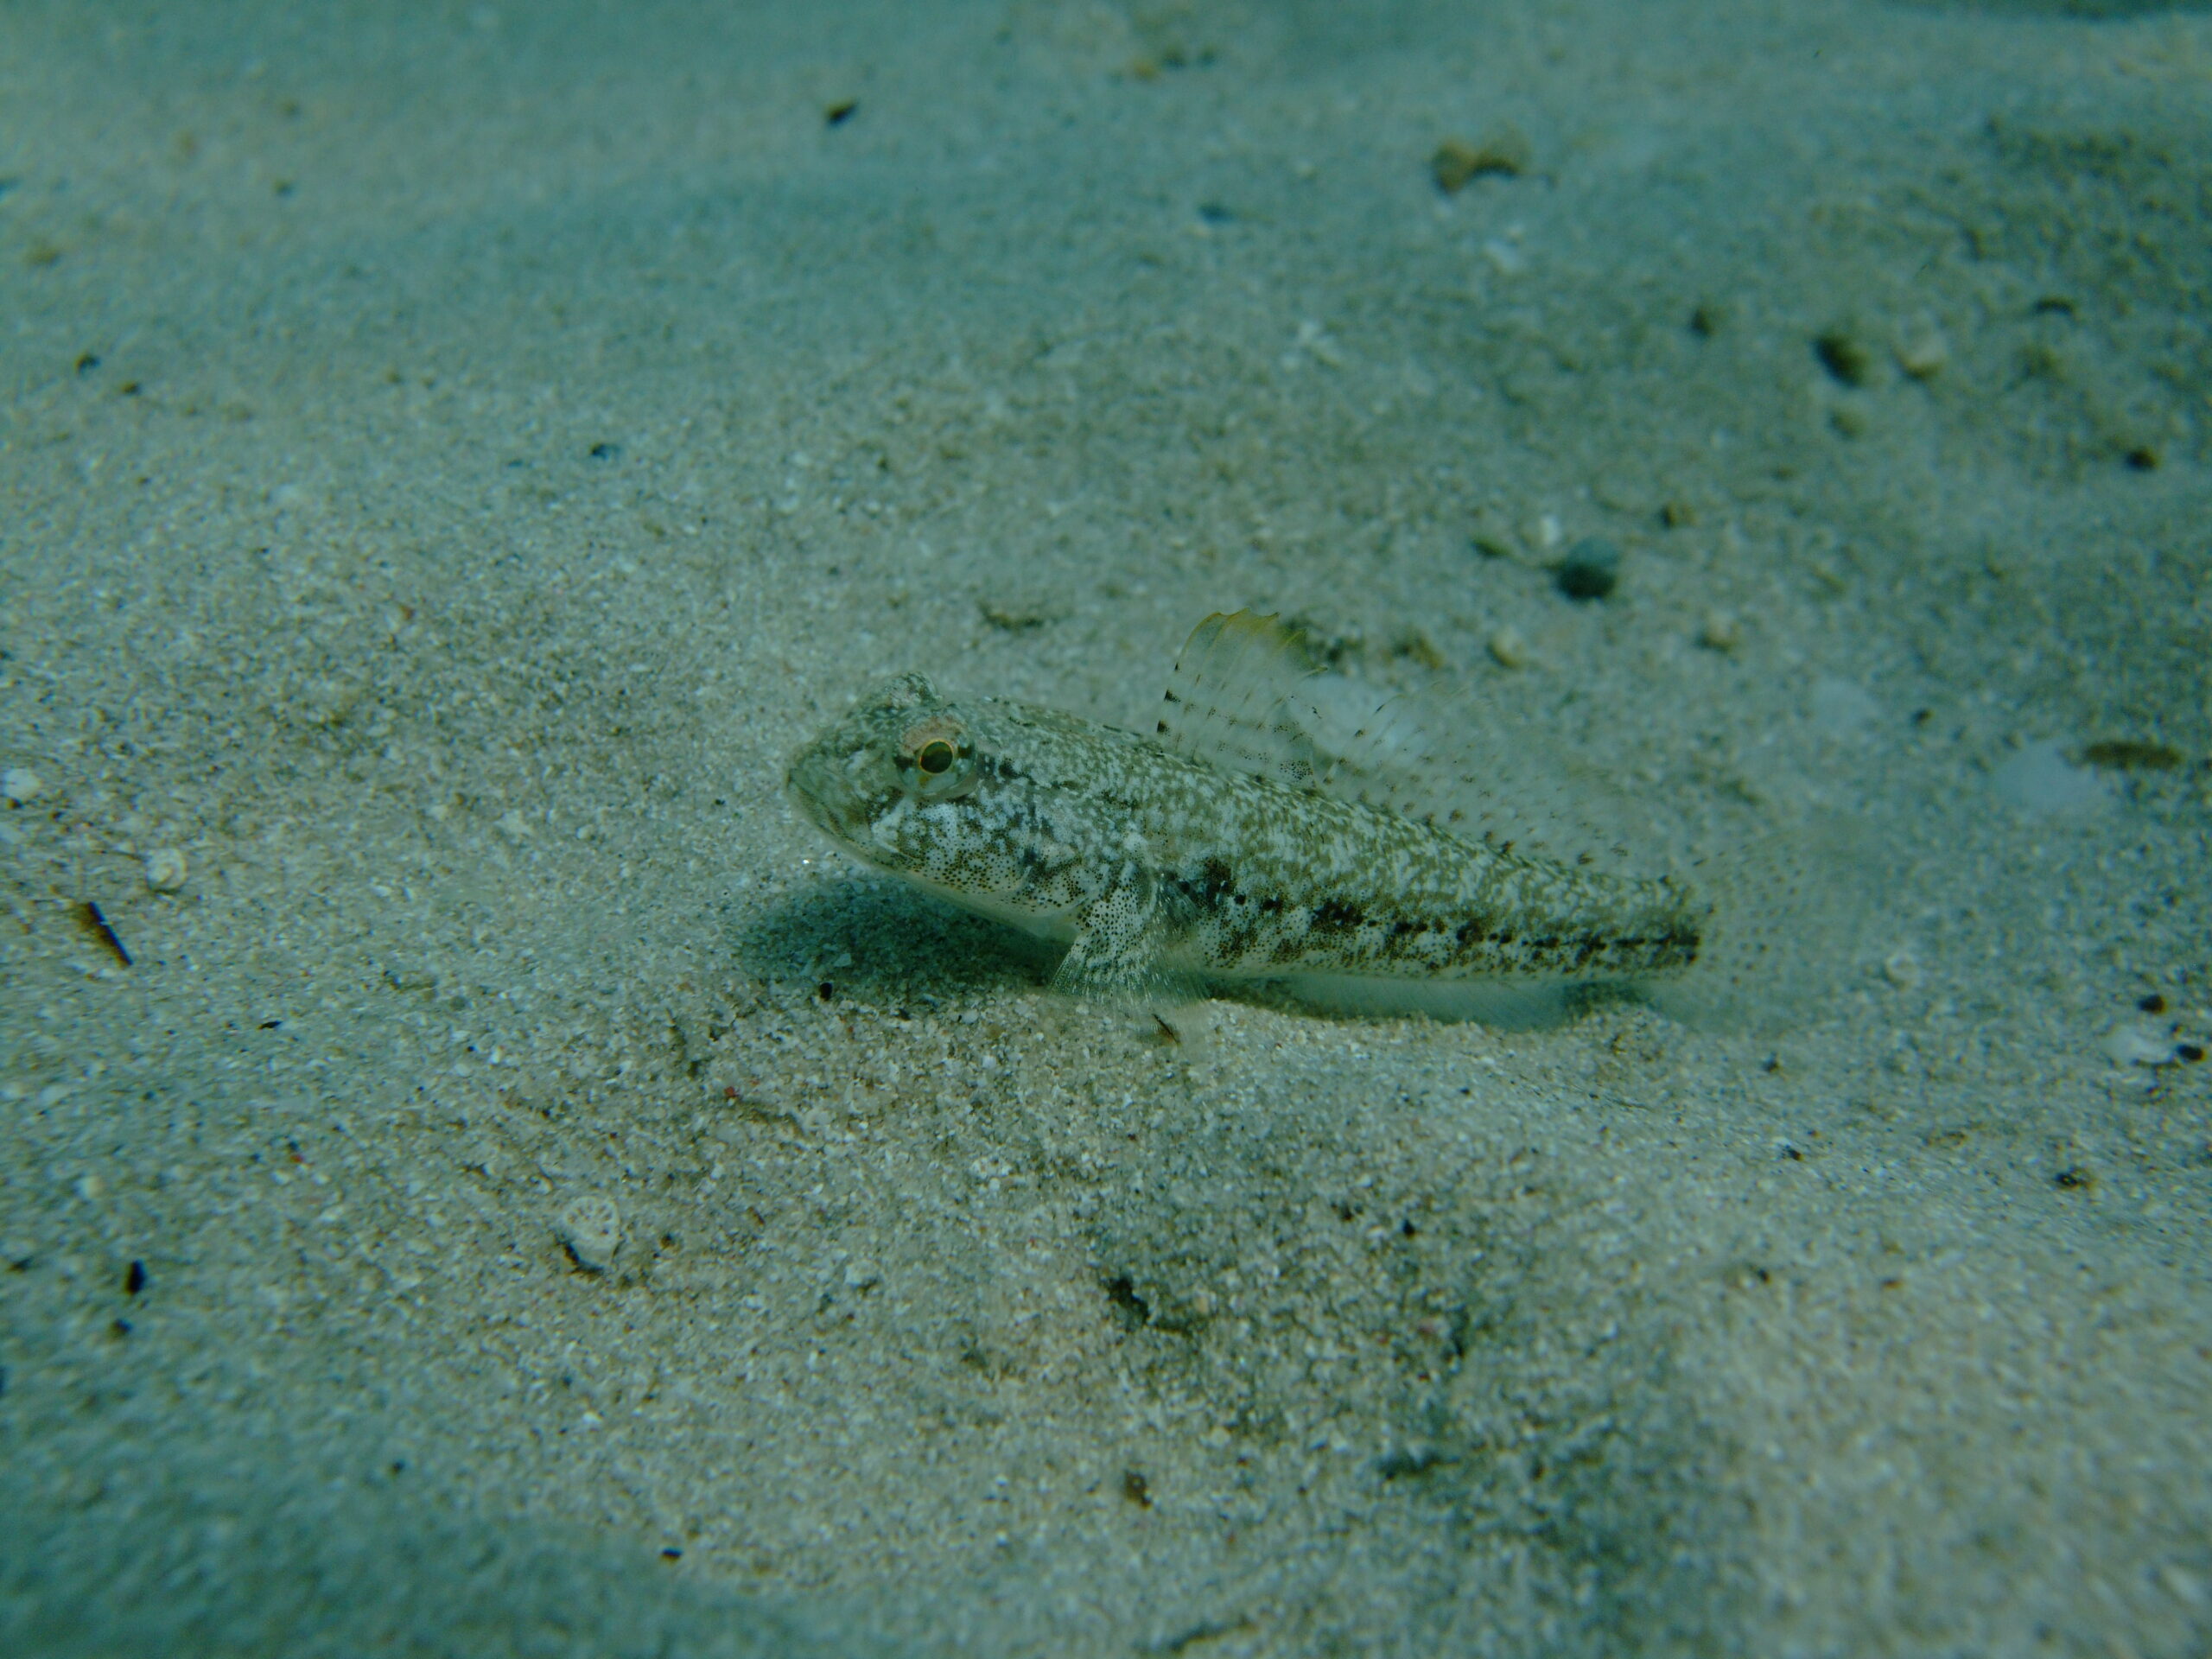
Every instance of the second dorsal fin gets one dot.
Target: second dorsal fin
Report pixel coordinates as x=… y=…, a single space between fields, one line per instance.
x=1244 y=698
x=1423 y=756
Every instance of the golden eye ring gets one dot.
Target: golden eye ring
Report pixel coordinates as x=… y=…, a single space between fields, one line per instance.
x=936 y=759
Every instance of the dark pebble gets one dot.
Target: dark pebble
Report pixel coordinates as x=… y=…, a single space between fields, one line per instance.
x=1591 y=570
x=1845 y=358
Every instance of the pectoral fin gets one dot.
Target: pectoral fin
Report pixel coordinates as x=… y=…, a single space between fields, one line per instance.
x=1121 y=945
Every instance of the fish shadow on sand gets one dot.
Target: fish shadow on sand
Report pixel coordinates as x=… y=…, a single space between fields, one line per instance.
x=881 y=941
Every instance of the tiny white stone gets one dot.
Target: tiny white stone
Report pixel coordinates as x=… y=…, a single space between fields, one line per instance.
x=1843 y=707
x=2039 y=780
x=1924 y=355
x=1508 y=648
x=1901 y=969
x=165 y=868
x=20 y=785
x=1509 y=259
x=2132 y=1043
x=591 y=1226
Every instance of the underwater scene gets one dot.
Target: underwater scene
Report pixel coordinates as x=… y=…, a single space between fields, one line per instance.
x=1025 y=827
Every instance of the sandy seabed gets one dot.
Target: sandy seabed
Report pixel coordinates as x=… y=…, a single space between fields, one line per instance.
x=524 y=1194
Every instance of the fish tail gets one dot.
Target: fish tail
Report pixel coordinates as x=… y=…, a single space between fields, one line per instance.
x=1791 y=911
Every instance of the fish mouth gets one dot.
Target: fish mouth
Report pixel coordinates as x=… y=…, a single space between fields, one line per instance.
x=818 y=786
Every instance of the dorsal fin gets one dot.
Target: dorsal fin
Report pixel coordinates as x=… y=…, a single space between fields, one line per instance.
x=1230 y=701
x=1243 y=697
x=1424 y=755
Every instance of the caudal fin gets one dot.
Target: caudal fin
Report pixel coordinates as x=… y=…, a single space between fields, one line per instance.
x=1790 y=913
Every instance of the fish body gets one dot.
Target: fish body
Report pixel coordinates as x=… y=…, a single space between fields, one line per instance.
x=1214 y=849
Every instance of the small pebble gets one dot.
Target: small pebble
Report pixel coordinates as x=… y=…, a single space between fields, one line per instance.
x=1456 y=163
x=1591 y=570
x=2038 y=779
x=1504 y=254
x=1493 y=537
x=1721 y=632
x=1843 y=707
x=1416 y=643
x=165 y=870
x=1901 y=969
x=590 y=1226
x=1019 y=616
x=1924 y=355
x=1844 y=356
x=20 y=785
x=1508 y=648
x=2131 y=1043
x=2131 y=754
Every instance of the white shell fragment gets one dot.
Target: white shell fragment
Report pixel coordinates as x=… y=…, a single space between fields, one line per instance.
x=1508 y=648
x=1924 y=354
x=2039 y=780
x=590 y=1226
x=165 y=868
x=2132 y=1043
x=20 y=785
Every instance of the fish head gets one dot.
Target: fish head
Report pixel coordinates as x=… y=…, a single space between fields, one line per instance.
x=873 y=781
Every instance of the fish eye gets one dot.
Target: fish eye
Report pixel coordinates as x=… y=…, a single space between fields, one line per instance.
x=935 y=758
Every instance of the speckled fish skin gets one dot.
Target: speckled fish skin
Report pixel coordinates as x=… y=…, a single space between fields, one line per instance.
x=1157 y=864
